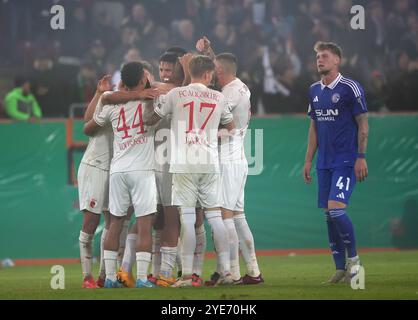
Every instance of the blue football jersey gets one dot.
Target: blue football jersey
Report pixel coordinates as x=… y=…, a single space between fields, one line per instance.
x=334 y=108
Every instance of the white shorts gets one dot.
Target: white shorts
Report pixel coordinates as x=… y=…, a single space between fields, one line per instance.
x=234 y=177
x=164 y=180
x=136 y=188
x=192 y=188
x=93 y=188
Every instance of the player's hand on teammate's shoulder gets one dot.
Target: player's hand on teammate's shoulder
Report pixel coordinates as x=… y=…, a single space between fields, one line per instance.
x=360 y=169
x=306 y=173
x=150 y=93
x=104 y=84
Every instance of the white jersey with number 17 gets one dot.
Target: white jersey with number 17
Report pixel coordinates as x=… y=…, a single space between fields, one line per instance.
x=196 y=113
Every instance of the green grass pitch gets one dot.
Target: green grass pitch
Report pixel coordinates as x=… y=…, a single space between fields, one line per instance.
x=388 y=275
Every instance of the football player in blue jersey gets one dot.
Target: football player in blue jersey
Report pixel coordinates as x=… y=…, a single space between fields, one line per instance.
x=338 y=131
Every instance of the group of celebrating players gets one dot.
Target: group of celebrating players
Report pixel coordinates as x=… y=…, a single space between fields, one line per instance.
x=172 y=153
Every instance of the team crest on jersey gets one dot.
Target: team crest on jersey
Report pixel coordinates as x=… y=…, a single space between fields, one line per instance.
x=93 y=203
x=335 y=97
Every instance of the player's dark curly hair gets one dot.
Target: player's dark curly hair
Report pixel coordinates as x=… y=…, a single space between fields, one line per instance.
x=132 y=73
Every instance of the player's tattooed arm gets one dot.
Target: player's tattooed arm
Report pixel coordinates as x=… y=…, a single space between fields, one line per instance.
x=363 y=132
x=102 y=86
x=120 y=97
x=310 y=152
x=360 y=167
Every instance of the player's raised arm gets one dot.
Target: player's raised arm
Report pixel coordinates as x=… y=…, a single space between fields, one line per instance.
x=360 y=167
x=102 y=86
x=310 y=152
x=204 y=47
x=99 y=120
x=184 y=62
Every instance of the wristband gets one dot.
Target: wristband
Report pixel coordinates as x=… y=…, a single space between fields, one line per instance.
x=361 y=155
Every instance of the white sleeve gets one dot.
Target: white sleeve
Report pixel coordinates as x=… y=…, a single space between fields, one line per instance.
x=102 y=116
x=163 y=105
x=226 y=116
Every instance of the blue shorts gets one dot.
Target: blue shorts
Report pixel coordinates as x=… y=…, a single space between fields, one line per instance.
x=335 y=184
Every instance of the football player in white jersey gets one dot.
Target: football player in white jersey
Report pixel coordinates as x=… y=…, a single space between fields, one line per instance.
x=132 y=179
x=93 y=188
x=196 y=113
x=171 y=75
x=234 y=167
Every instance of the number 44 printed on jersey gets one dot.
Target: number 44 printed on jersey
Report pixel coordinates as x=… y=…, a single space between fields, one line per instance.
x=138 y=122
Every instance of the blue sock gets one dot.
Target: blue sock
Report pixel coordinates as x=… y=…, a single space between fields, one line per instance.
x=345 y=229
x=335 y=243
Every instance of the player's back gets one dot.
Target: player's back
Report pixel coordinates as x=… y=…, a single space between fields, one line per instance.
x=133 y=141
x=100 y=147
x=238 y=96
x=197 y=112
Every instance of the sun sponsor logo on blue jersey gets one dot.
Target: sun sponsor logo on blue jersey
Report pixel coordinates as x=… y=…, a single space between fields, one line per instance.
x=326 y=114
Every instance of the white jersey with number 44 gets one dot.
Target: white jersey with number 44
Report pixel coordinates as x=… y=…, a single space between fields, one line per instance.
x=196 y=113
x=133 y=143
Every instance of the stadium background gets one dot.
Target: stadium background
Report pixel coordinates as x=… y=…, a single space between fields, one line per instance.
x=38 y=201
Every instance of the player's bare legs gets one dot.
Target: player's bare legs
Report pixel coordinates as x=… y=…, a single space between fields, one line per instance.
x=170 y=236
x=90 y=222
x=144 y=249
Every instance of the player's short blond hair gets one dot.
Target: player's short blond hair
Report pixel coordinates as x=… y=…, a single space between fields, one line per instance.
x=330 y=46
x=199 y=64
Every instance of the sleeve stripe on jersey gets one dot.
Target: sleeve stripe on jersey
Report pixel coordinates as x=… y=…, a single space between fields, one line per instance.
x=158 y=111
x=313 y=84
x=352 y=85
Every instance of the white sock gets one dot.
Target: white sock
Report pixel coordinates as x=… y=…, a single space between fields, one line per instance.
x=178 y=256
x=233 y=248
x=168 y=261
x=86 y=251
x=246 y=244
x=129 y=254
x=220 y=239
x=143 y=259
x=187 y=239
x=156 y=254
x=110 y=258
x=122 y=240
x=102 y=272
x=199 y=253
